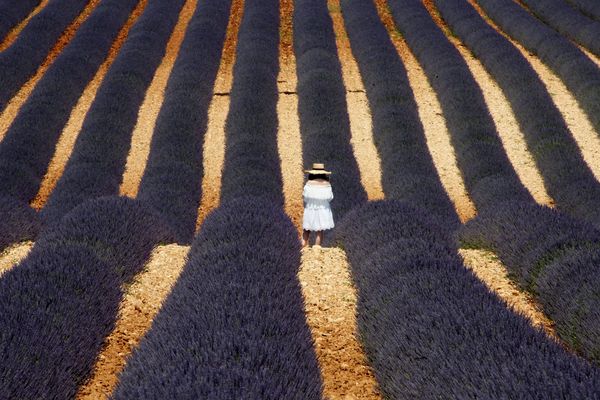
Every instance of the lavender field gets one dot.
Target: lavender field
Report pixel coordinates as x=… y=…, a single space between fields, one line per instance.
x=151 y=174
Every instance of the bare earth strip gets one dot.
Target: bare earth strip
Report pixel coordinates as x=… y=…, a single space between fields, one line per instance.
x=290 y=153
x=142 y=301
x=588 y=140
x=12 y=108
x=289 y=140
x=434 y=124
x=330 y=306
x=493 y=273
x=13 y=255
x=359 y=112
x=214 y=156
x=508 y=129
x=214 y=139
x=67 y=139
x=591 y=56
x=14 y=33
x=148 y=112
x=329 y=297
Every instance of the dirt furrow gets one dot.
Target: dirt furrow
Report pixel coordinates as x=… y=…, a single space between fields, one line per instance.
x=142 y=301
x=214 y=156
x=330 y=302
x=329 y=299
x=13 y=255
x=578 y=123
x=591 y=56
x=148 y=112
x=12 y=108
x=359 y=112
x=214 y=138
x=290 y=153
x=14 y=33
x=68 y=136
x=486 y=266
x=588 y=140
x=434 y=124
x=289 y=140
x=225 y=74
x=508 y=129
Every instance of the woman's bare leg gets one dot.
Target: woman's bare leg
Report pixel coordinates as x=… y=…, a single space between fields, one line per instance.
x=305 y=237
x=319 y=238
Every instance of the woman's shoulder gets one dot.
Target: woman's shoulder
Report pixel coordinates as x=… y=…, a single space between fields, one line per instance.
x=318 y=183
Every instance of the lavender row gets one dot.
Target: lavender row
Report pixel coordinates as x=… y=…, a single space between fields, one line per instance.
x=554 y=257
x=396 y=265
x=486 y=169
x=98 y=160
x=523 y=234
x=58 y=305
x=173 y=175
x=233 y=326
x=431 y=329
x=238 y=302
x=20 y=61
x=322 y=107
x=252 y=165
x=19 y=222
x=408 y=172
x=12 y=13
x=30 y=141
x=590 y=8
x=568 y=21
x=576 y=70
x=566 y=175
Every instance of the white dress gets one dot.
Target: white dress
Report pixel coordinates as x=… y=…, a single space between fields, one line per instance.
x=317 y=212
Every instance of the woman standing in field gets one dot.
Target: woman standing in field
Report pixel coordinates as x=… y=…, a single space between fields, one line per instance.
x=317 y=212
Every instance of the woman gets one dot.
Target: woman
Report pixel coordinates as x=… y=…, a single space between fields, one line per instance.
x=317 y=212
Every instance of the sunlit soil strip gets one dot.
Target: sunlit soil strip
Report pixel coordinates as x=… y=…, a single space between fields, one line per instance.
x=14 y=32
x=142 y=301
x=12 y=255
x=214 y=156
x=579 y=125
x=494 y=275
x=214 y=139
x=290 y=153
x=359 y=112
x=434 y=124
x=12 y=108
x=507 y=126
x=508 y=129
x=591 y=56
x=153 y=100
x=67 y=139
x=289 y=140
x=581 y=128
x=225 y=74
x=330 y=303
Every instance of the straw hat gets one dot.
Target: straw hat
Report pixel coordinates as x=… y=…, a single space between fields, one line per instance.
x=318 y=168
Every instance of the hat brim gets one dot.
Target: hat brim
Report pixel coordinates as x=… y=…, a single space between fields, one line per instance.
x=317 y=172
